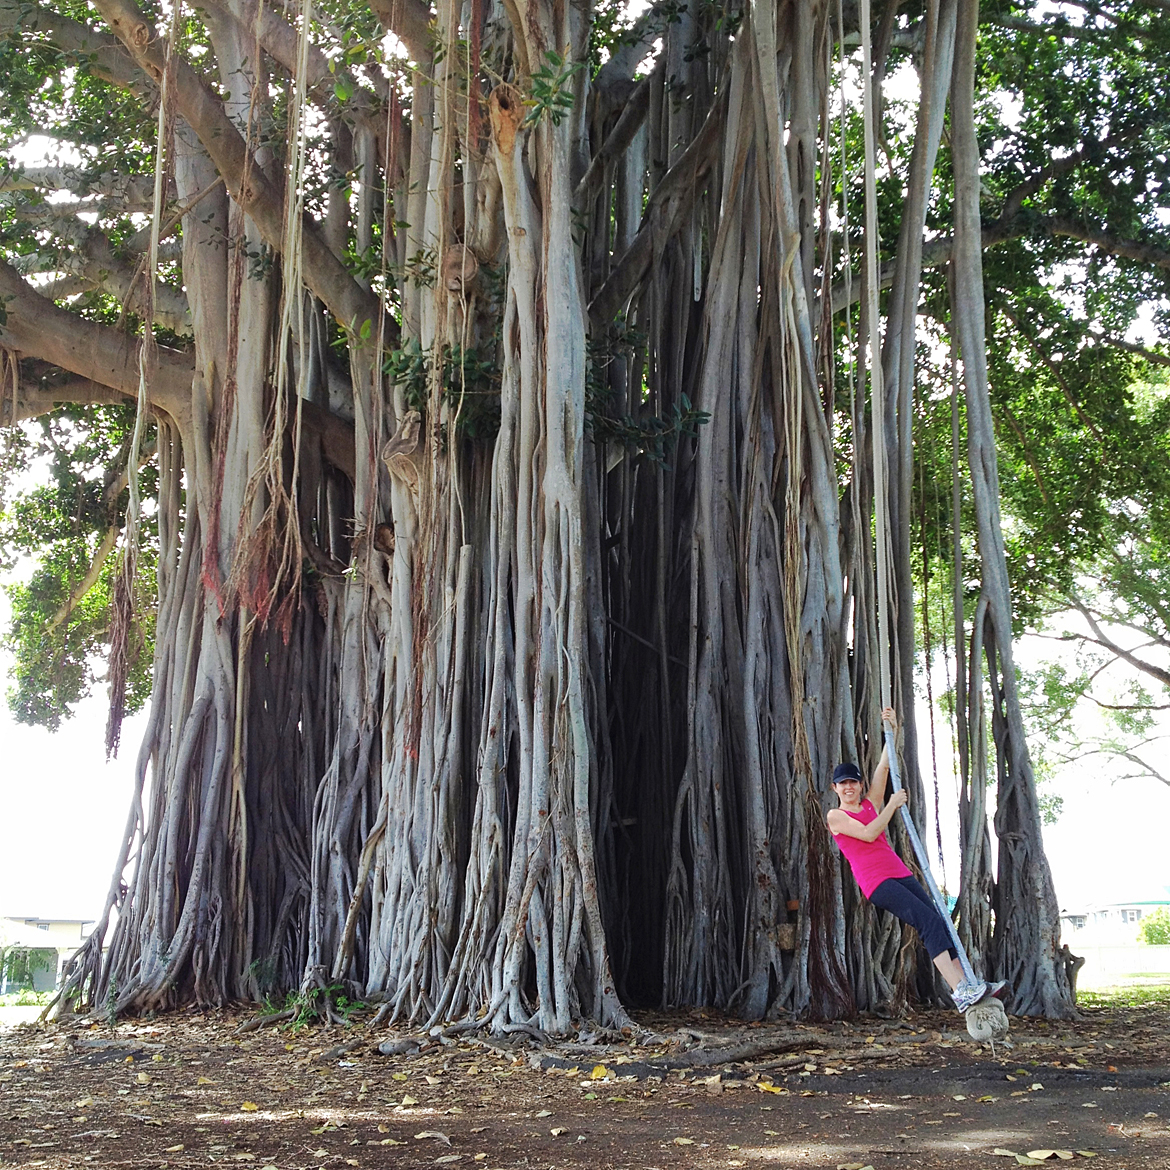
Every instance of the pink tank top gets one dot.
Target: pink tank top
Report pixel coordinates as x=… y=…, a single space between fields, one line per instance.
x=871 y=861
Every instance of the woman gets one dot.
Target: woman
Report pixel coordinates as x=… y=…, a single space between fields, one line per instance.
x=859 y=828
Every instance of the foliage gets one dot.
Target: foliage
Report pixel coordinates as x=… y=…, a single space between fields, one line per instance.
x=1154 y=929
x=26 y=998
x=19 y=965
x=57 y=640
x=551 y=95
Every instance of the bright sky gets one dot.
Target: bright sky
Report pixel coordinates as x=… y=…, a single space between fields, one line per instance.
x=64 y=809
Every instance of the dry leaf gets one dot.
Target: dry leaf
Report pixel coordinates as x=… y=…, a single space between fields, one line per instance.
x=173 y=1149
x=959 y=1097
x=400 y=1076
x=600 y=1072
x=84 y=1103
x=408 y=1101
x=352 y=1162
x=1086 y=1153
x=681 y=1141
x=383 y=1129
x=430 y=1079
x=1025 y=1160
x=1001 y=1153
x=560 y=1129
x=320 y=1153
x=205 y=1081
x=545 y=1113
x=143 y=1078
x=1036 y=1086
x=1041 y=1154
x=249 y=1106
x=432 y=1133
x=448 y=1158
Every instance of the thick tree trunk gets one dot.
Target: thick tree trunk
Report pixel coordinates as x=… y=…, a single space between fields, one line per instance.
x=522 y=709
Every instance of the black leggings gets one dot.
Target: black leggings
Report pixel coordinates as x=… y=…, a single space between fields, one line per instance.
x=906 y=900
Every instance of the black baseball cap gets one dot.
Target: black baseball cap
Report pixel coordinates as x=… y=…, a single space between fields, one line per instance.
x=846 y=771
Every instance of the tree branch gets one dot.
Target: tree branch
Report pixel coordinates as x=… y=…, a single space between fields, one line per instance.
x=671 y=201
x=106 y=364
x=37 y=328
x=98 y=53
x=1107 y=643
x=1052 y=368
x=325 y=274
x=280 y=41
x=410 y=22
x=626 y=127
x=1150 y=355
x=132 y=192
x=1060 y=225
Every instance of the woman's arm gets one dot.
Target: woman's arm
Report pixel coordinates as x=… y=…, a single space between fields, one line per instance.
x=841 y=823
x=877 y=785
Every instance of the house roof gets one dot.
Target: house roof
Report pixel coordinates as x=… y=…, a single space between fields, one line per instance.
x=17 y=933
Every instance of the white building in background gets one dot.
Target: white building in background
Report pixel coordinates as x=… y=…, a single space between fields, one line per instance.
x=50 y=941
x=1111 y=923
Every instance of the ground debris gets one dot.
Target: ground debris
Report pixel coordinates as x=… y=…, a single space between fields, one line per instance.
x=707 y=1089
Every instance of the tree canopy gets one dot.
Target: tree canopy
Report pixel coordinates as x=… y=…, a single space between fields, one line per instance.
x=458 y=419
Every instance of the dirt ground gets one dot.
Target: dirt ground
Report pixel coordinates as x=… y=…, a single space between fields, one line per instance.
x=186 y=1090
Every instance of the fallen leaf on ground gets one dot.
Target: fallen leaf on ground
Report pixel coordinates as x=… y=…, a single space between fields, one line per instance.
x=560 y=1129
x=407 y=1101
x=432 y=1133
x=1001 y=1153
x=600 y=1072
x=545 y=1113
x=143 y=1078
x=173 y=1149
x=683 y=1141
x=205 y=1081
x=249 y=1106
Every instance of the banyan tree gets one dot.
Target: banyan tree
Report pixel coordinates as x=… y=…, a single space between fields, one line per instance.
x=508 y=371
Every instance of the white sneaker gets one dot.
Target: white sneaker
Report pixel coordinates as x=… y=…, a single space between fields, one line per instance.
x=968 y=994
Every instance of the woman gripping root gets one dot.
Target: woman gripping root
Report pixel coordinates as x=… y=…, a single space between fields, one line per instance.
x=858 y=826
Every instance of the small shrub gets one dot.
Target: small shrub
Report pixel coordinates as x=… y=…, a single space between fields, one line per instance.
x=1155 y=928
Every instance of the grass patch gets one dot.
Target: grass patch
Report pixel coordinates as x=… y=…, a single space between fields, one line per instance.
x=1156 y=995
x=26 y=998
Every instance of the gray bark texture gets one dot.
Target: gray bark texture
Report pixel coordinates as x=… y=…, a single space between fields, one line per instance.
x=501 y=675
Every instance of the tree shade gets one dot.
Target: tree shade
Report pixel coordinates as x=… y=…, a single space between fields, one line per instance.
x=512 y=528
